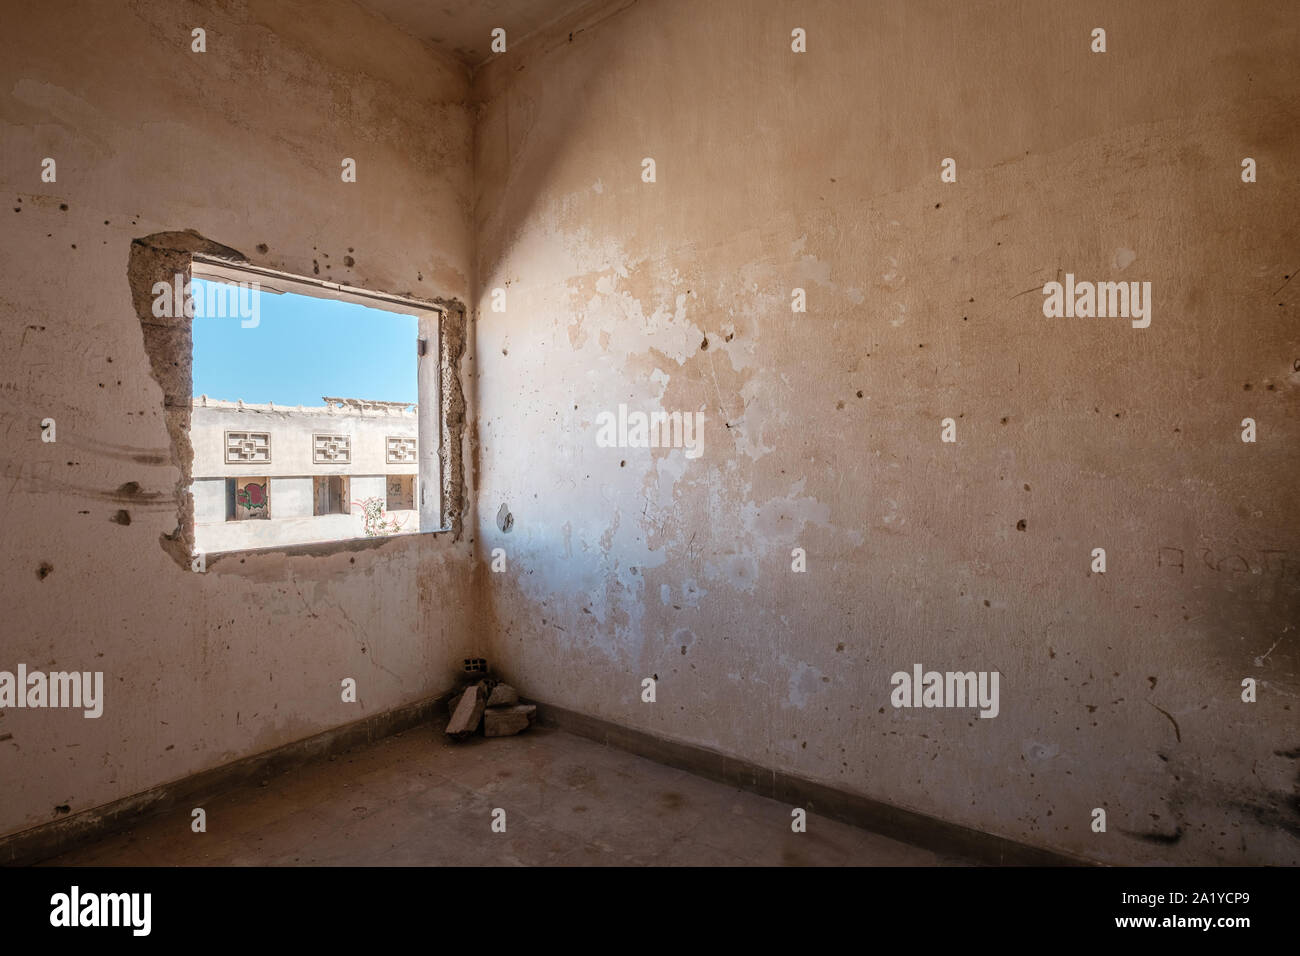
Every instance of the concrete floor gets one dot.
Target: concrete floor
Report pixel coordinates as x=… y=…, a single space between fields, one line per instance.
x=416 y=799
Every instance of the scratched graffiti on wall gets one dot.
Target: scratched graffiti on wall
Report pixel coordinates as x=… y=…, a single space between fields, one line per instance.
x=1265 y=562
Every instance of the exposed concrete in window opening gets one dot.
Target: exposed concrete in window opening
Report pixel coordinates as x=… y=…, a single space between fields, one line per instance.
x=452 y=451
x=168 y=342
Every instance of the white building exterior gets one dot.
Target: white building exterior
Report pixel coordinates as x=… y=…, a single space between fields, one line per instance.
x=269 y=475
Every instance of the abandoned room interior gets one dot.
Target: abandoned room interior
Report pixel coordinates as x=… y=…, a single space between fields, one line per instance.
x=764 y=433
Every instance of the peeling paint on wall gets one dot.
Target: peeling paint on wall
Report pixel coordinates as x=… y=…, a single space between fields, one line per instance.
x=823 y=426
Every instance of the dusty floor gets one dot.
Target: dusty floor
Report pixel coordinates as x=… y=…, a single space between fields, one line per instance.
x=418 y=800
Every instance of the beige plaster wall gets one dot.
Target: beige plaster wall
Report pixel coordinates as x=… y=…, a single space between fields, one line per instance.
x=242 y=143
x=821 y=171
x=774 y=171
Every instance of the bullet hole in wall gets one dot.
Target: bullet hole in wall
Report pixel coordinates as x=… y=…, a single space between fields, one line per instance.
x=263 y=248
x=505 y=520
x=44 y=570
x=122 y=517
x=1022 y=525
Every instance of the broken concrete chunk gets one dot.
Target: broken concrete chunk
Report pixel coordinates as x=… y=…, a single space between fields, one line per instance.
x=505 y=721
x=469 y=711
x=503 y=695
x=457 y=692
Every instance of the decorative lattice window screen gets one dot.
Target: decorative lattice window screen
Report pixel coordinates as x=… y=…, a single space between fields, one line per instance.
x=331 y=449
x=401 y=451
x=247 y=447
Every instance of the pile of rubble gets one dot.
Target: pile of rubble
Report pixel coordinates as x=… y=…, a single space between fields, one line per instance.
x=493 y=704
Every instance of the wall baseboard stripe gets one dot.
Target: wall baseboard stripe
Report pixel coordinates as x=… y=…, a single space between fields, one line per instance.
x=907 y=826
x=50 y=839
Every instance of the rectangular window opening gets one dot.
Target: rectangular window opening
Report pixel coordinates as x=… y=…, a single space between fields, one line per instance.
x=248 y=499
x=342 y=384
x=331 y=495
x=401 y=492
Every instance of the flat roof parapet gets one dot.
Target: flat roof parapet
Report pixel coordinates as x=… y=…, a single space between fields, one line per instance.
x=336 y=406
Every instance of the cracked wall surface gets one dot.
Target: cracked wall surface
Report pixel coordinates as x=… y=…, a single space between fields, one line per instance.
x=821 y=171
x=241 y=145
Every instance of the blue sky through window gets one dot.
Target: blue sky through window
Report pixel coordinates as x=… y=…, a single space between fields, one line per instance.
x=302 y=349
